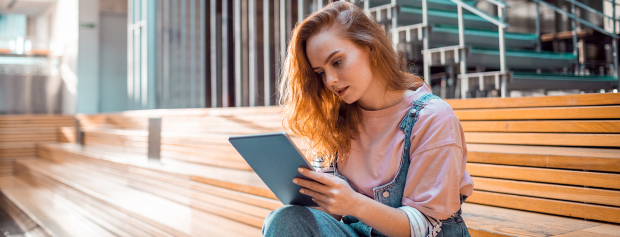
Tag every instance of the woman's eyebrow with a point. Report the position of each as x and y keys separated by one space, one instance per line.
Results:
x=328 y=58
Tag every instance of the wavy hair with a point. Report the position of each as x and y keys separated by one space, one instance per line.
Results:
x=311 y=110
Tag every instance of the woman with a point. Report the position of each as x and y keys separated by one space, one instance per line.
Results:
x=398 y=153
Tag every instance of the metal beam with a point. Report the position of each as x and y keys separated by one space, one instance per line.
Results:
x=266 y=52
x=252 y=52
x=225 y=40
x=463 y=59
x=213 y=50
x=237 y=38
x=203 y=57
x=480 y=13
x=582 y=21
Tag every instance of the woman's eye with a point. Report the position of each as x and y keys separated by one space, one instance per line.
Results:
x=320 y=74
x=337 y=63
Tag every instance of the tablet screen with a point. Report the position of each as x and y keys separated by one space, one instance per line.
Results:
x=275 y=159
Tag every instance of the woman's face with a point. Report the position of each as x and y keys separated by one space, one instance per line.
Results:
x=343 y=66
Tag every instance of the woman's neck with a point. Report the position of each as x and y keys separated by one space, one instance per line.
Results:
x=380 y=97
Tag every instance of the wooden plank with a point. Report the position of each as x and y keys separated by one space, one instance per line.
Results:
x=592 y=112
x=551 y=191
x=546 y=101
x=563 y=208
x=578 y=178
x=599 y=231
x=169 y=216
x=547 y=139
x=6 y=131
x=550 y=126
x=509 y=222
x=594 y=159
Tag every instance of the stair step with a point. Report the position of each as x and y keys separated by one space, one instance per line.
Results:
x=164 y=183
x=225 y=204
x=51 y=214
x=441 y=35
x=410 y=15
x=156 y=212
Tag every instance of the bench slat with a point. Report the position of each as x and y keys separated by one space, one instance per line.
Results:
x=551 y=191
x=559 y=126
x=509 y=222
x=593 y=112
x=579 y=178
x=548 y=139
x=546 y=101
x=546 y=157
x=564 y=208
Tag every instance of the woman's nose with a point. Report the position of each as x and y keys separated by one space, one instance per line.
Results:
x=331 y=80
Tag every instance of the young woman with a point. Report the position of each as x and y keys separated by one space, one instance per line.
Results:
x=397 y=152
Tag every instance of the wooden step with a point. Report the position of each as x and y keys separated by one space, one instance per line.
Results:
x=486 y=221
x=556 y=207
x=44 y=213
x=545 y=139
x=547 y=126
x=227 y=204
x=595 y=159
x=549 y=191
x=238 y=180
x=160 y=213
x=546 y=101
x=557 y=176
x=541 y=113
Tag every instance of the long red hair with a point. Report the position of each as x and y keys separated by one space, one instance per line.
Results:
x=312 y=111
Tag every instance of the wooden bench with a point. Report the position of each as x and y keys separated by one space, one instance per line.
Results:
x=558 y=155
x=20 y=133
x=529 y=179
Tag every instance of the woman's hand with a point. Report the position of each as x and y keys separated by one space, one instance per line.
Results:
x=331 y=193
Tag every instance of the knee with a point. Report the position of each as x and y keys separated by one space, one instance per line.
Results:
x=285 y=218
x=288 y=213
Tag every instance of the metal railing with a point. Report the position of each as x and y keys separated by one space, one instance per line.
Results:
x=574 y=19
x=503 y=73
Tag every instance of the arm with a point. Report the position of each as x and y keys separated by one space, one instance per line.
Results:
x=336 y=197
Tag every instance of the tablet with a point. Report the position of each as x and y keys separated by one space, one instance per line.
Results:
x=275 y=159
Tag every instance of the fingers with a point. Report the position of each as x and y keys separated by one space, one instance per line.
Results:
x=319 y=177
x=321 y=203
x=318 y=187
x=313 y=194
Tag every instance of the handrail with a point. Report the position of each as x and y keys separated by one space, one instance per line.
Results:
x=497 y=3
x=586 y=7
x=580 y=20
x=480 y=13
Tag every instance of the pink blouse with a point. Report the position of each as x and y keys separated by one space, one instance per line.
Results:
x=437 y=173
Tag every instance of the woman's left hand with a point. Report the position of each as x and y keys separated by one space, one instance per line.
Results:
x=330 y=192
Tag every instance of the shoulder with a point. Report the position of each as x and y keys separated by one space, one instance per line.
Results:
x=437 y=110
x=437 y=125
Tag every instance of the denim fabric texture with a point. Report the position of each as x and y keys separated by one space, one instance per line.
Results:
x=301 y=221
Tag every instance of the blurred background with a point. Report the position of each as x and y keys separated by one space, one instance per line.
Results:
x=92 y=56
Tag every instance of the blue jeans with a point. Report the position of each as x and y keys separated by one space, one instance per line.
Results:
x=291 y=220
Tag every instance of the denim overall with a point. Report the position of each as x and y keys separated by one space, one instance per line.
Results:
x=391 y=194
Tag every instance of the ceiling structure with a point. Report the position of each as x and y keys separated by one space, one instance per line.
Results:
x=27 y=7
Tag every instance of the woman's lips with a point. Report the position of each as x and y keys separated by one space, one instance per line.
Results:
x=341 y=92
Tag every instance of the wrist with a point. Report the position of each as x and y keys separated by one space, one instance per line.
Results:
x=359 y=204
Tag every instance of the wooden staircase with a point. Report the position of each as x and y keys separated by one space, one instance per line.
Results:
x=545 y=166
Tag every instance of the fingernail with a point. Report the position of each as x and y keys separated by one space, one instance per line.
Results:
x=294 y=180
x=301 y=191
x=300 y=170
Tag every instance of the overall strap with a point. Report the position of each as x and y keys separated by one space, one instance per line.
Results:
x=406 y=125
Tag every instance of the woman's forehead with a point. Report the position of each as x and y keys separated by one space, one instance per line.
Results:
x=320 y=45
